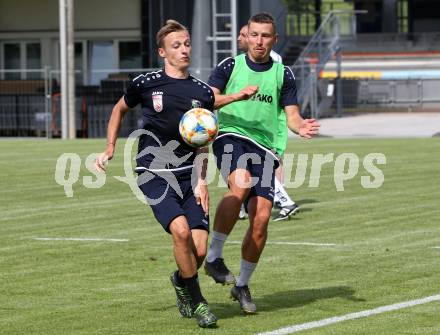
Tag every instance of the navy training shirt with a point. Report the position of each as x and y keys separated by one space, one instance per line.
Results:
x=164 y=100
x=221 y=74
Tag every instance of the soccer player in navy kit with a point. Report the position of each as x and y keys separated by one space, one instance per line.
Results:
x=248 y=128
x=165 y=162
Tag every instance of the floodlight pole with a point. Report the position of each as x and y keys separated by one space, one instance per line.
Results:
x=67 y=70
x=63 y=69
x=234 y=27
x=71 y=70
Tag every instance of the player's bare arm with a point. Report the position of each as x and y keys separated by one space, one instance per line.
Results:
x=222 y=100
x=201 y=190
x=306 y=128
x=114 y=125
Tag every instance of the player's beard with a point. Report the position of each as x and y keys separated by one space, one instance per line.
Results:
x=259 y=57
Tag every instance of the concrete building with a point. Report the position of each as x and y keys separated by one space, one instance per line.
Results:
x=109 y=34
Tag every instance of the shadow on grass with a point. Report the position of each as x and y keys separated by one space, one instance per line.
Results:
x=285 y=299
x=163 y=308
x=292 y=218
x=300 y=203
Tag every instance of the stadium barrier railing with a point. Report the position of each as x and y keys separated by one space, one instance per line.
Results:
x=30 y=107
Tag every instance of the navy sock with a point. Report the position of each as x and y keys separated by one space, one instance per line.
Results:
x=192 y=284
x=178 y=279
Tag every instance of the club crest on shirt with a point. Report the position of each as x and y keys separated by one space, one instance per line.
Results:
x=196 y=103
x=157 y=101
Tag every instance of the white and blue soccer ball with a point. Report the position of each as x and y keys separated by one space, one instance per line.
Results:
x=198 y=127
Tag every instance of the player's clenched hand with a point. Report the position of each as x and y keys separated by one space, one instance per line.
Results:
x=309 y=128
x=102 y=160
x=247 y=92
x=202 y=196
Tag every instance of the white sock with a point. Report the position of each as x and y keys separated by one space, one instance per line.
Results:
x=216 y=247
x=281 y=195
x=246 y=270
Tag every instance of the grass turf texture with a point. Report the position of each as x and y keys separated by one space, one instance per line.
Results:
x=383 y=255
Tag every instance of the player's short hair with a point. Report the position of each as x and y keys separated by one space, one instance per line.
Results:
x=263 y=18
x=171 y=26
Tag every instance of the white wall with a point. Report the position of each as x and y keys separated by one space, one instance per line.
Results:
x=42 y=15
x=24 y=21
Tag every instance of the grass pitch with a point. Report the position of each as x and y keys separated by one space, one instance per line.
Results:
x=386 y=249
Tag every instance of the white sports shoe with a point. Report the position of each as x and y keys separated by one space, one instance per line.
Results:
x=242 y=215
x=286 y=212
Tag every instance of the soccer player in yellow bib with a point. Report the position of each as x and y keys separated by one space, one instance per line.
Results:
x=250 y=93
x=282 y=200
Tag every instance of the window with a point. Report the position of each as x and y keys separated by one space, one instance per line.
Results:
x=402 y=16
x=304 y=16
x=102 y=59
x=95 y=60
x=79 y=63
x=33 y=60
x=12 y=60
x=21 y=56
x=130 y=55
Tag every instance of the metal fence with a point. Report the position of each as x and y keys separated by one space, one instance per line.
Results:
x=31 y=107
x=24 y=104
x=94 y=102
x=375 y=95
x=324 y=44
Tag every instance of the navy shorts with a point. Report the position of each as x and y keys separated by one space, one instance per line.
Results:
x=233 y=152
x=167 y=203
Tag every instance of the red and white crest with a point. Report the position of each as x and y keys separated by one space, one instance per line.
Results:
x=157 y=101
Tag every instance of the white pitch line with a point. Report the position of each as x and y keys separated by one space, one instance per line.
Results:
x=435 y=247
x=291 y=243
x=351 y=316
x=81 y=239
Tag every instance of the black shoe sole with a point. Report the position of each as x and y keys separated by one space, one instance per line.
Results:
x=209 y=325
x=297 y=210
x=287 y=217
x=218 y=281
x=247 y=312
